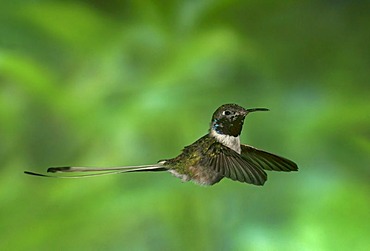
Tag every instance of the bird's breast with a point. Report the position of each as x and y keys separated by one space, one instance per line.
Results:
x=228 y=140
x=198 y=174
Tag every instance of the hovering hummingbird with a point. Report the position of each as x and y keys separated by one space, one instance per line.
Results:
x=214 y=156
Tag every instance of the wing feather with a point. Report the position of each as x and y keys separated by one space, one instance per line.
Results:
x=266 y=160
x=232 y=165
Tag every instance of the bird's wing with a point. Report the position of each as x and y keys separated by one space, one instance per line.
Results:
x=267 y=161
x=230 y=164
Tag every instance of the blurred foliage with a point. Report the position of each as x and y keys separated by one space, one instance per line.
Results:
x=106 y=83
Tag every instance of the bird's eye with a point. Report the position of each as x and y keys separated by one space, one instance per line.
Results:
x=227 y=112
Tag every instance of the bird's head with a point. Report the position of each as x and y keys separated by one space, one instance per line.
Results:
x=228 y=119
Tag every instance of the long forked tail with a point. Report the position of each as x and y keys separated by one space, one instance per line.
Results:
x=98 y=170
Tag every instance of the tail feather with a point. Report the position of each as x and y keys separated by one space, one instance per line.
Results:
x=99 y=170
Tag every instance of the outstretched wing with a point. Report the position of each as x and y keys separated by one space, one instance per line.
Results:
x=230 y=164
x=267 y=161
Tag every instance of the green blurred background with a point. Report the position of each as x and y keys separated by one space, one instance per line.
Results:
x=107 y=83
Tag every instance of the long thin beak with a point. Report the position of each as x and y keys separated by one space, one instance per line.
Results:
x=256 y=109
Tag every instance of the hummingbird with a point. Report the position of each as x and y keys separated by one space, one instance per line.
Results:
x=217 y=155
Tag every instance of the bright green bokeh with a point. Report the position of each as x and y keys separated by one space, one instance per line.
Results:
x=106 y=83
